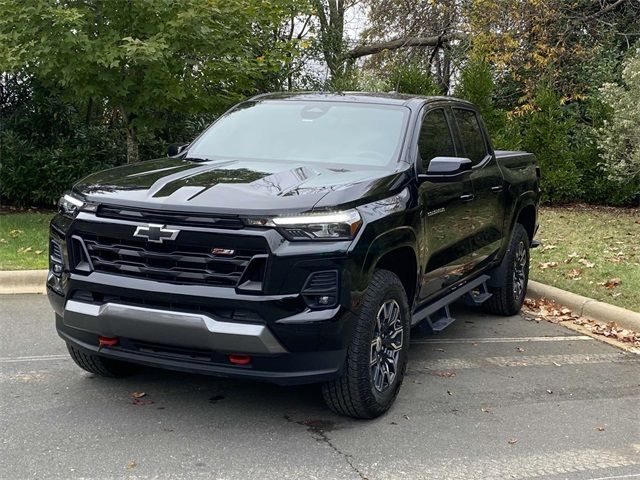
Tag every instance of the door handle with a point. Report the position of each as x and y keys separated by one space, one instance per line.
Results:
x=496 y=188
x=468 y=197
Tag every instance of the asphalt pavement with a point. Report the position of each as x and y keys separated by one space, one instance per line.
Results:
x=489 y=398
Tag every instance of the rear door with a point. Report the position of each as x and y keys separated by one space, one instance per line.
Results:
x=488 y=184
x=446 y=208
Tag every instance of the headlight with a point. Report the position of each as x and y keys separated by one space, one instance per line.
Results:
x=69 y=206
x=324 y=226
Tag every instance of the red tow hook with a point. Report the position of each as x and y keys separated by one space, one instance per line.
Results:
x=107 y=342
x=240 y=359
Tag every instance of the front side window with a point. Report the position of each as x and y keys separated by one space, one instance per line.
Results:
x=350 y=134
x=435 y=138
x=471 y=135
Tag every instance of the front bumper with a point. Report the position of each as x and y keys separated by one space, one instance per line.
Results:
x=194 y=328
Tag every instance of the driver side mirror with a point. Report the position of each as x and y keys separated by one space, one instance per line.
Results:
x=446 y=169
x=175 y=149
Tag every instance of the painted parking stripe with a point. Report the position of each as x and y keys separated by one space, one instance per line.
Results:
x=519 y=361
x=34 y=358
x=564 y=338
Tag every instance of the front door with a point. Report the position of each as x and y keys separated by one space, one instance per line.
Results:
x=446 y=210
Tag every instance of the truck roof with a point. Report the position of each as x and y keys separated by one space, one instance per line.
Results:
x=390 y=98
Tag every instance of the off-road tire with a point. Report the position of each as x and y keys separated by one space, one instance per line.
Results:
x=354 y=393
x=507 y=299
x=101 y=366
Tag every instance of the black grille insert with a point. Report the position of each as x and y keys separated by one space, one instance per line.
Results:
x=167 y=262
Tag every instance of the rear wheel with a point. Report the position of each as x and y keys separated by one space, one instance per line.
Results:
x=510 y=288
x=377 y=357
x=104 y=367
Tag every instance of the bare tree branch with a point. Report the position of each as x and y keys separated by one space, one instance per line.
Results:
x=603 y=11
x=434 y=41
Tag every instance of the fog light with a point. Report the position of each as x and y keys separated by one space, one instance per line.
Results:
x=324 y=300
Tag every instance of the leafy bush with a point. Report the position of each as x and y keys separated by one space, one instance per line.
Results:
x=619 y=138
x=414 y=79
x=36 y=175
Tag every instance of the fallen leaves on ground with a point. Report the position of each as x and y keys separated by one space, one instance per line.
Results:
x=548 y=310
x=586 y=263
x=574 y=273
x=600 y=429
x=138 y=398
x=131 y=464
x=15 y=233
x=545 y=265
x=610 y=329
x=445 y=374
x=543 y=309
x=611 y=283
x=513 y=441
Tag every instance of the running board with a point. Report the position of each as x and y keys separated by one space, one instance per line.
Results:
x=436 y=315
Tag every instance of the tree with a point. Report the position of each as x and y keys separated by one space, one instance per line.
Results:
x=141 y=58
x=340 y=57
x=619 y=138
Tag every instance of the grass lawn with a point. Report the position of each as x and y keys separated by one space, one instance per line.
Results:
x=24 y=240
x=591 y=251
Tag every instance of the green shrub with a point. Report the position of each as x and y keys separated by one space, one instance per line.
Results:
x=412 y=78
x=36 y=175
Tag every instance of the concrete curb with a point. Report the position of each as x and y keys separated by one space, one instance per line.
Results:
x=586 y=307
x=23 y=281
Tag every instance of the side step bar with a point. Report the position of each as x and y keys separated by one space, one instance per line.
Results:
x=437 y=316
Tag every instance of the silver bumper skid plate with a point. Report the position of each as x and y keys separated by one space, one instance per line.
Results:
x=191 y=330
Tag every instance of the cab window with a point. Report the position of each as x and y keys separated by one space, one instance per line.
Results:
x=435 y=138
x=471 y=135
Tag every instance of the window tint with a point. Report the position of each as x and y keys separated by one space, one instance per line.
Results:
x=470 y=135
x=435 y=138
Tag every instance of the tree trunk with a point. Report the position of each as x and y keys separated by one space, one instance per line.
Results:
x=132 y=145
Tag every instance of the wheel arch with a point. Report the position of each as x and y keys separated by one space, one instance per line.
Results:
x=395 y=251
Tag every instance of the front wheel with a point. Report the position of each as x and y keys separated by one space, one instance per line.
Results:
x=101 y=366
x=510 y=288
x=377 y=356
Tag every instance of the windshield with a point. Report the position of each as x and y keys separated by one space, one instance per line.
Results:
x=352 y=134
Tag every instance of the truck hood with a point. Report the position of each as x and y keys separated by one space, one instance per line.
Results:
x=235 y=186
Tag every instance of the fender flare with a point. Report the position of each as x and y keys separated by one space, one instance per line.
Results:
x=385 y=243
x=526 y=199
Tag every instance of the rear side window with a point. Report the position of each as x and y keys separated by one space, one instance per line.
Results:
x=435 y=137
x=471 y=135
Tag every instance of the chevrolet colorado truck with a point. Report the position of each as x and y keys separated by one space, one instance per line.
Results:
x=298 y=239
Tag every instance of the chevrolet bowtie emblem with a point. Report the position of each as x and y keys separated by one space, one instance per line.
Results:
x=155 y=233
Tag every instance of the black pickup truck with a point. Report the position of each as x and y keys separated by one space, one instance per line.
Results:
x=297 y=240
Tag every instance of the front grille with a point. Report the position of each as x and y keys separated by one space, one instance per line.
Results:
x=172 y=218
x=165 y=262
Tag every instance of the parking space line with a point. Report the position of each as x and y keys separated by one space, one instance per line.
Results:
x=33 y=358
x=632 y=475
x=519 y=361
x=564 y=338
